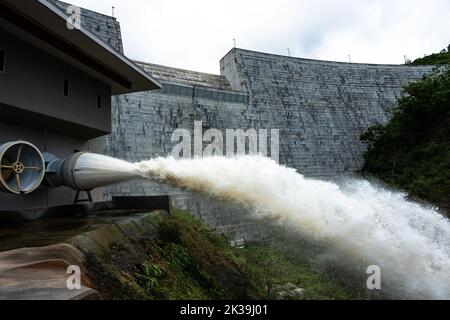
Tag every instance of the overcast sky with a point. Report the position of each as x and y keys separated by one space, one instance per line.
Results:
x=196 y=34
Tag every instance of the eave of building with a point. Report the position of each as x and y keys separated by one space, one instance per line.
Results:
x=42 y=24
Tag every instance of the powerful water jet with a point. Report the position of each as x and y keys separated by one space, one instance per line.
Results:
x=360 y=223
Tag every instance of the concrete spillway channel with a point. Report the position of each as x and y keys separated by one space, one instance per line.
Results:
x=35 y=256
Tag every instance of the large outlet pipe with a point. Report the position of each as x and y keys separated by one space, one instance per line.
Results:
x=23 y=169
x=85 y=171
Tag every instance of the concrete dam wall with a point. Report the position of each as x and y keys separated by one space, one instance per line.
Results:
x=321 y=108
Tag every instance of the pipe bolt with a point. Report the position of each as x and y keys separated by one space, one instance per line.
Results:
x=18 y=167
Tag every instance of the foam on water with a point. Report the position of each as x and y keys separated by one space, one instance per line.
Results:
x=357 y=220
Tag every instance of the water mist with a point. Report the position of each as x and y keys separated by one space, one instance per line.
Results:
x=361 y=224
x=357 y=220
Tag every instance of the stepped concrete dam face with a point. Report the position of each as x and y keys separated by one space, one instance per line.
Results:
x=319 y=107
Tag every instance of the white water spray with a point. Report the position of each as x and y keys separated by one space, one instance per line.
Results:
x=359 y=222
x=364 y=223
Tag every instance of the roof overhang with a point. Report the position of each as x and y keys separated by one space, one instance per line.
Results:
x=45 y=26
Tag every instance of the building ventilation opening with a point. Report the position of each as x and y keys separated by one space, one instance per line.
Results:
x=66 y=87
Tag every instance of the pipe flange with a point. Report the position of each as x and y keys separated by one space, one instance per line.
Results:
x=22 y=167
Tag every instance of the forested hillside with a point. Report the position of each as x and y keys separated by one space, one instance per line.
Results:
x=412 y=151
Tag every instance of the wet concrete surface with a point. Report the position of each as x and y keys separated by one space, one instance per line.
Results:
x=35 y=256
x=51 y=231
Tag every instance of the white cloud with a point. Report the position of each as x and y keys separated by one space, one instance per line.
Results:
x=196 y=34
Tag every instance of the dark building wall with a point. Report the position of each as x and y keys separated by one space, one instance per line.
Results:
x=34 y=81
x=35 y=109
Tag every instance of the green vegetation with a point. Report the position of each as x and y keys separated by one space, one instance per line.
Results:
x=412 y=151
x=284 y=259
x=185 y=260
x=440 y=58
x=192 y=262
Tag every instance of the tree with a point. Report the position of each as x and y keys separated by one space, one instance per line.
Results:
x=412 y=151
